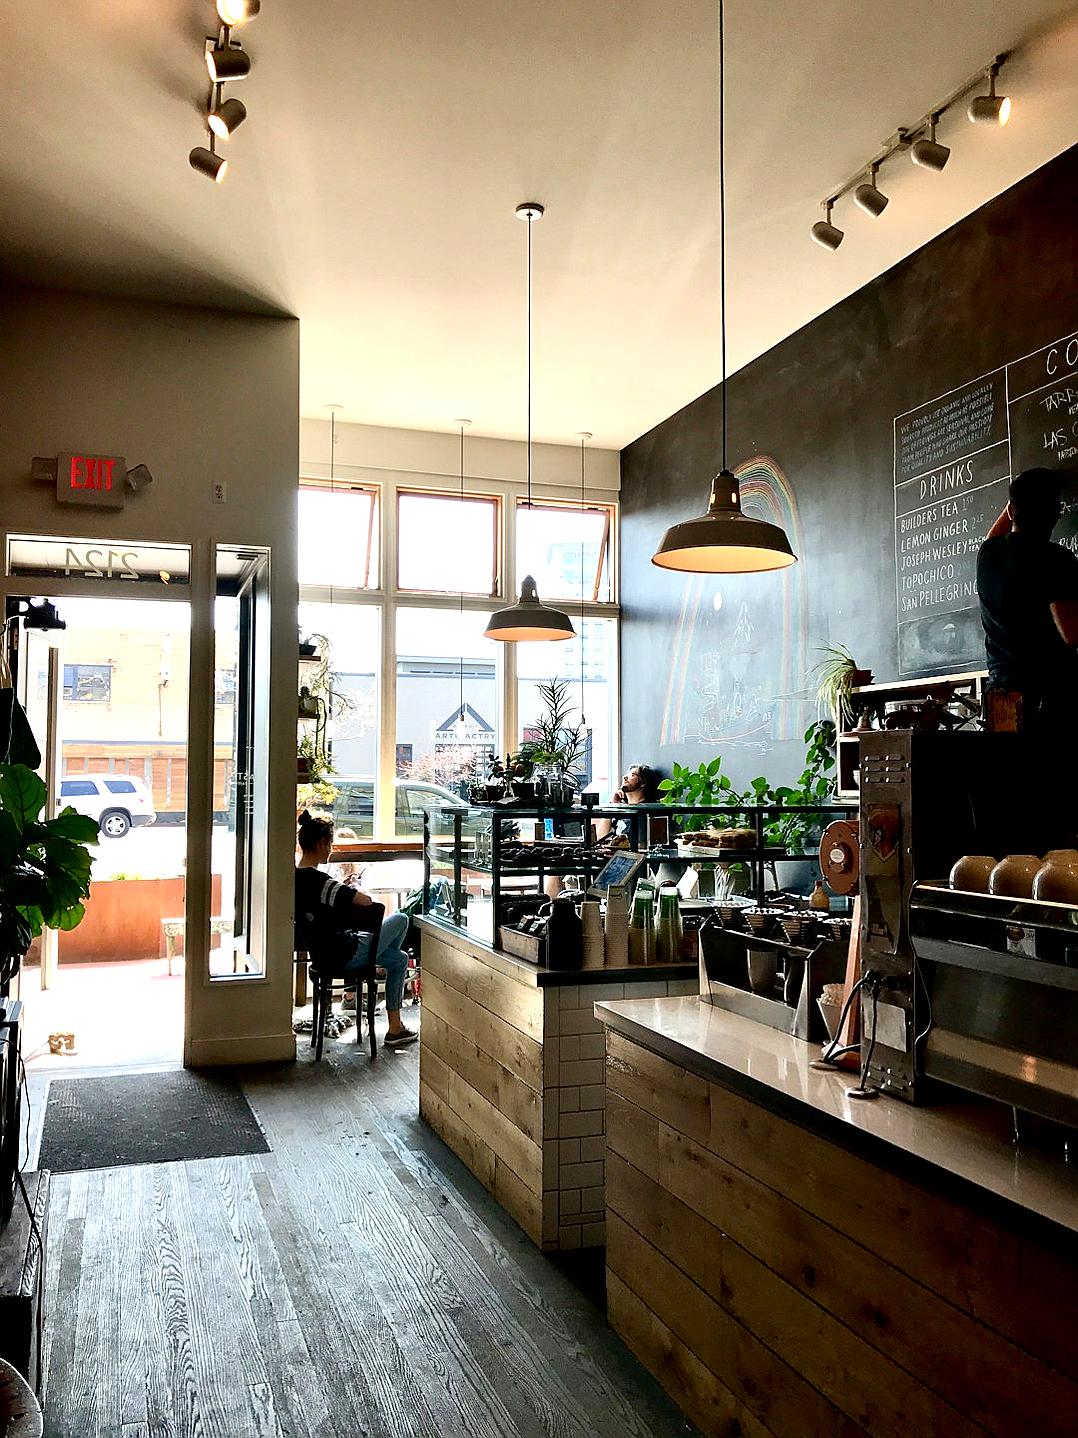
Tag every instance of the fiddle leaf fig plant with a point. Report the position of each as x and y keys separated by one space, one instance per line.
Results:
x=44 y=866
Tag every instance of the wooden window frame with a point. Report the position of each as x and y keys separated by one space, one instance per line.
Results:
x=495 y=502
x=605 y=556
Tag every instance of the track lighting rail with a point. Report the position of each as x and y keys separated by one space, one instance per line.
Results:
x=906 y=137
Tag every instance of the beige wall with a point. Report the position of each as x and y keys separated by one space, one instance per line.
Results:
x=197 y=395
x=425 y=457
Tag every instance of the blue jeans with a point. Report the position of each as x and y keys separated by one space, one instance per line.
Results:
x=390 y=956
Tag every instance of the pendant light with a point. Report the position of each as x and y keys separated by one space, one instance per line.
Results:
x=529 y=618
x=724 y=540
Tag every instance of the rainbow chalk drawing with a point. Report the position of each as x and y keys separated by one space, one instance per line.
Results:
x=737 y=667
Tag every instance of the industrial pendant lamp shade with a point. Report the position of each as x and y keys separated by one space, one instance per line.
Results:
x=529 y=619
x=724 y=540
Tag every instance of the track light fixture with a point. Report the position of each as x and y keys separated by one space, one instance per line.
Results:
x=990 y=109
x=226 y=117
x=927 y=152
x=824 y=232
x=207 y=162
x=227 y=60
x=236 y=12
x=869 y=196
x=924 y=149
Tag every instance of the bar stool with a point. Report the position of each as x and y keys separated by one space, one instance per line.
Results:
x=325 y=982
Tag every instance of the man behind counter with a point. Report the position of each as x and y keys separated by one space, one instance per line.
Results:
x=1028 y=592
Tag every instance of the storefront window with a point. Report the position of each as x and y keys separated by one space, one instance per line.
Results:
x=540 y=663
x=342 y=746
x=447 y=710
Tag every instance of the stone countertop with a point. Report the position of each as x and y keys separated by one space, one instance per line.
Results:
x=966 y=1143
x=537 y=977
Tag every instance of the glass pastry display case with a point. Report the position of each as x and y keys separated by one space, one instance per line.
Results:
x=491 y=865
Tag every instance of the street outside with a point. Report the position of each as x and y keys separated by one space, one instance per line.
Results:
x=161 y=849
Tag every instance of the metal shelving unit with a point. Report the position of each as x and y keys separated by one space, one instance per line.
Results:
x=483 y=851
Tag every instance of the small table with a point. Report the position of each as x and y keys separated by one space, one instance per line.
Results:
x=173 y=929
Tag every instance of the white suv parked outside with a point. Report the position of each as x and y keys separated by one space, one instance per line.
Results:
x=118 y=802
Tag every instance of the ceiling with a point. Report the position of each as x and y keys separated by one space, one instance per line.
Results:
x=372 y=189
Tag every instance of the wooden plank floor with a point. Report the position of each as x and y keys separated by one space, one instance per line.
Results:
x=354 y=1281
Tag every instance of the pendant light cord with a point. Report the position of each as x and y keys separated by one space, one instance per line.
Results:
x=722 y=209
x=530 y=222
x=583 y=717
x=462 y=591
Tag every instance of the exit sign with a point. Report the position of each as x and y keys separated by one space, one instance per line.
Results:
x=95 y=480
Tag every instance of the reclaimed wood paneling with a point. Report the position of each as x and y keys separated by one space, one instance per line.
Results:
x=834 y=1266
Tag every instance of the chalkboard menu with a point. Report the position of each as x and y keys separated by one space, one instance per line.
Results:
x=953 y=457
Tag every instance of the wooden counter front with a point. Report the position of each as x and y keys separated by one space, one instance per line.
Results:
x=511 y=1076
x=782 y=1281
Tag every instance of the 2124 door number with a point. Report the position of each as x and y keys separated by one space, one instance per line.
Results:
x=101 y=563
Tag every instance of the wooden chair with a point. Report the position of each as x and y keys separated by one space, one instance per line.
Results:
x=325 y=982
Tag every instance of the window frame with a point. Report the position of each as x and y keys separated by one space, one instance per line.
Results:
x=606 y=554
x=388 y=598
x=404 y=491
x=339 y=486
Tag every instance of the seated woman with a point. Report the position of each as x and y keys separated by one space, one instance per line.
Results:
x=324 y=906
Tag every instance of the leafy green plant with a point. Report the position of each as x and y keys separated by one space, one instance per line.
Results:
x=798 y=833
x=555 y=741
x=705 y=785
x=837 y=675
x=44 y=865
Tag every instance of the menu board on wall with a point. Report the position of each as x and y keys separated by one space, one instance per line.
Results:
x=953 y=457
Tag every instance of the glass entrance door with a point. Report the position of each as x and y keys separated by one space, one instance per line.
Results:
x=241 y=721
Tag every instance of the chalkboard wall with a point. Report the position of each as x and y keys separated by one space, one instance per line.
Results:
x=881 y=436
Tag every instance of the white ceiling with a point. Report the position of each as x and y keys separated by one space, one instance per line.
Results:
x=372 y=189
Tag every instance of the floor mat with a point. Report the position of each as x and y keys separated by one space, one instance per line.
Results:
x=145 y=1118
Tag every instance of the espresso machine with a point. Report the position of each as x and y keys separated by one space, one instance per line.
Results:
x=977 y=990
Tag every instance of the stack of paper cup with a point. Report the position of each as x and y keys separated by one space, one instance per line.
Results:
x=594 y=943
x=617 y=926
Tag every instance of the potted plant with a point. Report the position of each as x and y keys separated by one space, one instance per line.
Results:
x=799 y=833
x=837 y=676
x=555 y=745
x=44 y=866
x=705 y=785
